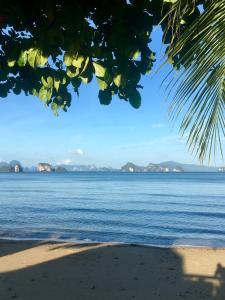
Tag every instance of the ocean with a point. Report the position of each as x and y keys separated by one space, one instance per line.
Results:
x=158 y=209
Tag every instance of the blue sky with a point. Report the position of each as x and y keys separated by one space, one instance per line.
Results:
x=90 y=133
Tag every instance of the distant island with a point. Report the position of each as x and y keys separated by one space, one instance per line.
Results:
x=15 y=166
x=45 y=167
x=170 y=166
x=130 y=167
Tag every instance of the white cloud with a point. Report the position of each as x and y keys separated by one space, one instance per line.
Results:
x=77 y=151
x=157 y=125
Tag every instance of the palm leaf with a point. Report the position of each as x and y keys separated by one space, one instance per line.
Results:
x=200 y=86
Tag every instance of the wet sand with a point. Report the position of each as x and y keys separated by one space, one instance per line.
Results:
x=31 y=270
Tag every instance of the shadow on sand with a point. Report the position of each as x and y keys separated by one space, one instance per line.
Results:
x=101 y=271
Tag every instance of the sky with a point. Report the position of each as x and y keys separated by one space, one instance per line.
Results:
x=90 y=133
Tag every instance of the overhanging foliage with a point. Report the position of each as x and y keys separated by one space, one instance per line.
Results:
x=49 y=47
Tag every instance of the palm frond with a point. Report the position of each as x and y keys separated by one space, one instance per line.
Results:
x=175 y=15
x=200 y=88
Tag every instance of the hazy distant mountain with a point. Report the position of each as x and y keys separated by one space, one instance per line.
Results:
x=74 y=168
x=167 y=166
x=13 y=166
x=14 y=162
x=189 y=167
x=45 y=167
x=131 y=167
x=3 y=164
x=4 y=167
x=86 y=168
x=60 y=169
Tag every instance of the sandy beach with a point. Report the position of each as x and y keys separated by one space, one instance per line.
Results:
x=45 y=270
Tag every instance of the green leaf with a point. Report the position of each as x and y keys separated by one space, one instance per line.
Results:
x=41 y=59
x=68 y=58
x=99 y=69
x=11 y=63
x=56 y=84
x=85 y=65
x=50 y=81
x=32 y=53
x=43 y=94
x=108 y=77
x=54 y=107
x=102 y=84
x=22 y=60
x=105 y=97
x=49 y=94
x=64 y=80
x=87 y=76
x=76 y=82
x=84 y=79
x=136 y=54
x=44 y=82
x=72 y=72
x=77 y=62
x=170 y=1
x=152 y=56
x=35 y=93
x=44 y=60
x=117 y=80
x=135 y=99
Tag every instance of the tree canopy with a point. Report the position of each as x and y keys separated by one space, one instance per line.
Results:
x=50 y=47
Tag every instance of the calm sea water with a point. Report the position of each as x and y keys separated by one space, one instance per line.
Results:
x=156 y=209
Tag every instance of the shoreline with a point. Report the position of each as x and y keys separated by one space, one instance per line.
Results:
x=60 y=270
x=89 y=242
